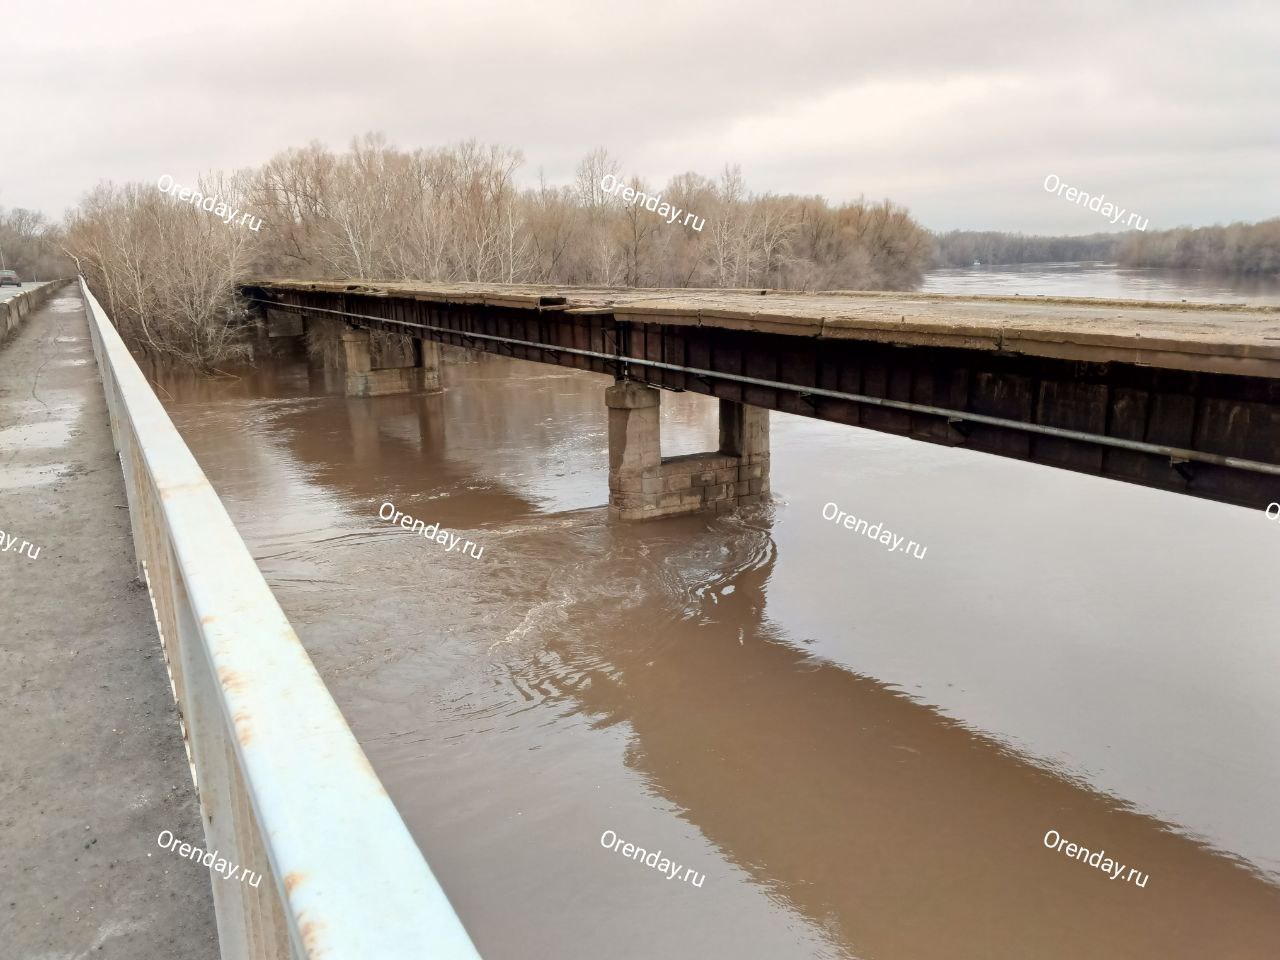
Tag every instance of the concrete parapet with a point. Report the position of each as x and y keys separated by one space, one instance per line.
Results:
x=15 y=310
x=643 y=485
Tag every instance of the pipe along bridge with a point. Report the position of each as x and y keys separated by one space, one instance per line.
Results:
x=1181 y=397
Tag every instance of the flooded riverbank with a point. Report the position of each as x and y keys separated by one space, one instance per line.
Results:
x=861 y=755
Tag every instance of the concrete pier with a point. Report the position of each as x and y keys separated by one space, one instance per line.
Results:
x=643 y=485
x=412 y=367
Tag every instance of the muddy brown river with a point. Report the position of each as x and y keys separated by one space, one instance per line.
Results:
x=862 y=752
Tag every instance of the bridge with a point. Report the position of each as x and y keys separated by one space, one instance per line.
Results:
x=1176 y=396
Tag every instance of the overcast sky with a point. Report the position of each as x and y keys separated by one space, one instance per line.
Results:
x=956 y=110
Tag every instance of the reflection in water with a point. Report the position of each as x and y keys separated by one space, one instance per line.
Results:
x=861 y=755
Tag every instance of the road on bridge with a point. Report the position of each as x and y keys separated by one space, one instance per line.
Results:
x=91 y=751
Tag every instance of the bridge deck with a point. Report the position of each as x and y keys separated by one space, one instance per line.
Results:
x=1175 y=336
x=92 y=766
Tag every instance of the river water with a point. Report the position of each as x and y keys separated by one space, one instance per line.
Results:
x=861 y=752
x=1104 y=280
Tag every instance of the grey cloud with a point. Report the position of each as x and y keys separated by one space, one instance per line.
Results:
x=1140 y=98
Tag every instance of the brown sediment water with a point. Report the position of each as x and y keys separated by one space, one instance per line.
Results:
x=861 y=751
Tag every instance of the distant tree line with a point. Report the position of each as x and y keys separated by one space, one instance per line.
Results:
x=960 y=248
x=167 y=271
x=29 y=245
x=457 y=213
x=1241 y=248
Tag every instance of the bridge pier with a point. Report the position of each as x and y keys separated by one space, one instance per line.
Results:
x=642 y=484
x=415 y=367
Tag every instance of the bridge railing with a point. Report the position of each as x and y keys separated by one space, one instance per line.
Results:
x=285 y=790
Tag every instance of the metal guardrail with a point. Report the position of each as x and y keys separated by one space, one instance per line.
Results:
x=284 y=788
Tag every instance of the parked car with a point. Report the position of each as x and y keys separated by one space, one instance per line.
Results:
x=8 y=276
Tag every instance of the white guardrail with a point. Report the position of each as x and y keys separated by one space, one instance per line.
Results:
x=284 y=788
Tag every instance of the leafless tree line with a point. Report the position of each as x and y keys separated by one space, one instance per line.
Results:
x=29 y=245
x=1240 y=248
x=167 y=271
x=457 y=213
x=960 y=248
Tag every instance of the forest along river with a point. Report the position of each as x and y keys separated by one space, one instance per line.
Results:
x=861 y=752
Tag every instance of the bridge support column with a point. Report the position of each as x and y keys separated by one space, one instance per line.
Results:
x=635 y=450
x=422 y=372
x=642 y=484
x=744 y=434
x=427 y=358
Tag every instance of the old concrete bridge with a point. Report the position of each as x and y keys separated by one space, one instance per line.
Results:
x=1181 y=397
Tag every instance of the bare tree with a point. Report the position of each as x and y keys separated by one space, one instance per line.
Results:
x=169 y=271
